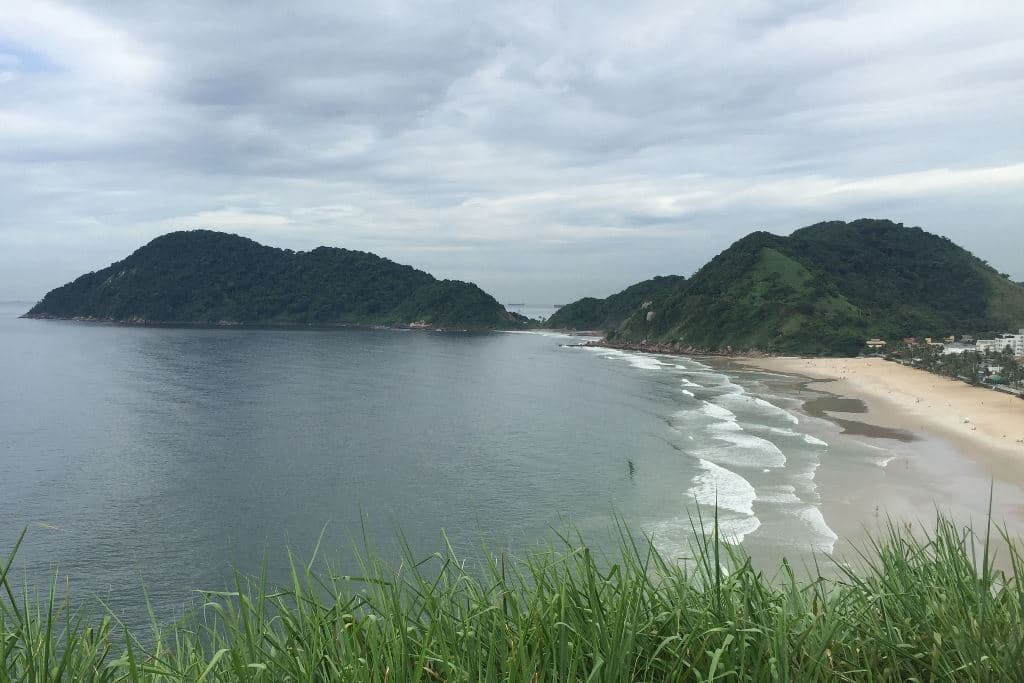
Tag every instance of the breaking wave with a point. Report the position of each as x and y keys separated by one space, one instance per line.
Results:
x=724 y=488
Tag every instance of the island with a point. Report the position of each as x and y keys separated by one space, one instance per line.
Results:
x=203 y=277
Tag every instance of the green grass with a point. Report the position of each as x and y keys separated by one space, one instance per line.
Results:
x=913 y=607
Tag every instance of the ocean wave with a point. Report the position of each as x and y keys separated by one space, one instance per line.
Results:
x=725 y=426
x=717 y=378
x=637 y=360
x=687 y=392
x=744 y=450
x=717 y=412
x=552 y=334
x=741 y=398
x=782 y=494
x=718 y=486
x=807 y=438
x=674 y=538
x=733 y=531
x=825 y=540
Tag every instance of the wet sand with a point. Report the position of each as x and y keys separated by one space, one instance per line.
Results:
x=980 y=420
x=936 y=461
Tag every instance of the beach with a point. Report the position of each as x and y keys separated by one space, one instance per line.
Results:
x=946 y=440
x=901 y=397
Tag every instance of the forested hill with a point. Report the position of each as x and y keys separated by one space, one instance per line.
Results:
x=828 y=287
x=206 y=277
x=606 y=314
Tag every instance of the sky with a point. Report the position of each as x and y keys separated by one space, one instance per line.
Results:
x=544 y=150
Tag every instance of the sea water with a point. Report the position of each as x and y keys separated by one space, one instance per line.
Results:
x=165 y=457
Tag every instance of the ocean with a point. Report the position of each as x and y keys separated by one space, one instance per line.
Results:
x=166 y=457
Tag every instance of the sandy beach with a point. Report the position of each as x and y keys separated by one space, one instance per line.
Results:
x=978 y=419
x=956 y=448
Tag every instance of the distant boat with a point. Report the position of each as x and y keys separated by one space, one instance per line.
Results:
x=519 y=305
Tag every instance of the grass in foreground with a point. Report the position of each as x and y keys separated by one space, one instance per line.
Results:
x=915 y=608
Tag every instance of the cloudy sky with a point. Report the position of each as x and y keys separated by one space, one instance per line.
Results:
x=544 y=150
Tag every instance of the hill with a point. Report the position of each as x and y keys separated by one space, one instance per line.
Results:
x=828 y=287
x=589 y=313
x=206 y=277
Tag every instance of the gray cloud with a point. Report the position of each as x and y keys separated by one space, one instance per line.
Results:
x=544 y=150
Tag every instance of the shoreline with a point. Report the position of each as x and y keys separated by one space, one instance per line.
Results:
x=978 y=421
x=936 y=462
x=236 y=325
x=674 y=349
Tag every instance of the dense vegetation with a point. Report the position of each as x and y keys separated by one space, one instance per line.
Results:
x=589 y=313
x=914 y=607
x=201 y=276
x=828 y=287
x=970 y=366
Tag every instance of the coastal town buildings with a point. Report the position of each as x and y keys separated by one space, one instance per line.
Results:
x=1013 y=342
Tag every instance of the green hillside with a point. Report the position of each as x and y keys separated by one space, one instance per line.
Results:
x=205 y=277
x=828 y=287
x=589 y=313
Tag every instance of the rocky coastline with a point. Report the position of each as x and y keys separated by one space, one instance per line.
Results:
x=676 y=349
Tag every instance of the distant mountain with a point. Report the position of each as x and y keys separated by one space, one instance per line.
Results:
x=589 y=313
x=205 y=277
x=825 y=289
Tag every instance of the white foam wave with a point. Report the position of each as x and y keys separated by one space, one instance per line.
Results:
x=644 y=362
x=826 y=538
x=782 y=494
x=717 y=377
x=674 y=537
x=724 y=488
x=884 y=462
x=741 y=398
x=637 y=360
x=733 y=531
x=744 y=450
x=687 y=392
x=814 y=441
x=717 y=412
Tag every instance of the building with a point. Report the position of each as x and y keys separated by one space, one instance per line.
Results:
x=875 y=343
x=958 y=348
x=1013 y=342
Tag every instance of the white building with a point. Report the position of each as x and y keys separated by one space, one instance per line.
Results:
x=958 y=348
x=1015 y=342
